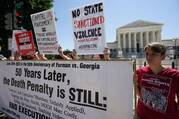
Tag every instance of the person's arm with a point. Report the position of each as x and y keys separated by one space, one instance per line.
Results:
x=178 y=100
x=106 y=54
x=11 y=58
x=42 y=57
x=35 y=56
x=177 y=92
x=60 y=50
x=136 y=91
x=2 y=57
x=74 y=55
x=136 y=85
x=17 y=56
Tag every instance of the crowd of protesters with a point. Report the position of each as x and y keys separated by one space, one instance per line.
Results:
x=157 y=85
x=71 y=55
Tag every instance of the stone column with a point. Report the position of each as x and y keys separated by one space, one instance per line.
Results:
x=159 y=35
x=147 y=37
x=153 y=36
x=118 y=37
x=129 y=39
x=141 y=40
x=135 y=48
x=124 y=40
x=156 y=36
x=150 y=36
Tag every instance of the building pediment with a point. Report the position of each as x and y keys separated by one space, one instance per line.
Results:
x=140 y=23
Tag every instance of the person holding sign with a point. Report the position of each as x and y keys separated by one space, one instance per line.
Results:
x=106 y=53
x=158 y=86
x=62 y=55
x=104 y=56
x=16 y=56
x=33 y=56
x=74 y=56
x=41 y=57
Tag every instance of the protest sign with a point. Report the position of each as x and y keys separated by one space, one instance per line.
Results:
x=25 y=43
x=67 y=89
x=9 y=43
x=88 y=28
x=45 y=31
x=13 y=47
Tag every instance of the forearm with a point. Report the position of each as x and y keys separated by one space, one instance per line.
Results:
x=65 y=57
x=177 y=100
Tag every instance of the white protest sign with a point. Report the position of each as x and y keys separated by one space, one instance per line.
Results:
x=9 y=43
x=88 y=28
x=66 y=89
x=45 y=31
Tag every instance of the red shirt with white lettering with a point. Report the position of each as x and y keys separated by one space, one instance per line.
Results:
x=157 y=93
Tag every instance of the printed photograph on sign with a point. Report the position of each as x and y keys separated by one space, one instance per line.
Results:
x=88 y=28
x=45 y=31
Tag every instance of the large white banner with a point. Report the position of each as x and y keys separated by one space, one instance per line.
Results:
x=66 y=89
x=88 y=28
x=45 y=31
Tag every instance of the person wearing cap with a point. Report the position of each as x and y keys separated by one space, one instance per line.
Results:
x=157 y=86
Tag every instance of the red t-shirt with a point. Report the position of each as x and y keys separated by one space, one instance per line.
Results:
x=157 y=94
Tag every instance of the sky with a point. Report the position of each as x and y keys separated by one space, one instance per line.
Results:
x=118 y=13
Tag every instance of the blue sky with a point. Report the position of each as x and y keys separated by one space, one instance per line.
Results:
x=118 y=13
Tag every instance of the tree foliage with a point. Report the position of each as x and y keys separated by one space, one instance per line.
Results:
x=5 y=7
x=31 y=7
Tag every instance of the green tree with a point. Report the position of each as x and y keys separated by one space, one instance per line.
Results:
x=5 y=7
x=28 y=7
x=31 y=7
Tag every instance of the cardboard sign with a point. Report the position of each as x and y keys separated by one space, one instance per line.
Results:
x=45 y=31
x=88 y=29
x=25 y=43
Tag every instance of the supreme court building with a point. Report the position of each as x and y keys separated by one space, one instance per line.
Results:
x=133 y=37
